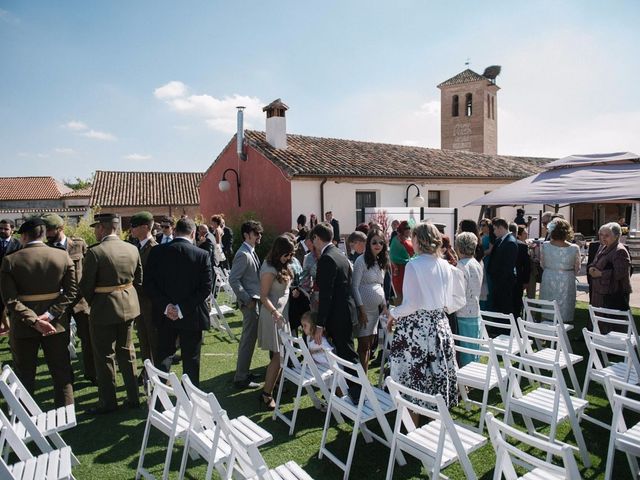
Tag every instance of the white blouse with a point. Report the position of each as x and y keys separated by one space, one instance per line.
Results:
x=428 y=285
x=473 y=276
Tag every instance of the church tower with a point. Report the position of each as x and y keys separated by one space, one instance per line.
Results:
x=469 y=119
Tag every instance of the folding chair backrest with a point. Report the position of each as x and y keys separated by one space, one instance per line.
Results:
x=205 y=406
x=485 y=347
x=601 y=346
x=294 y=348
x=500 y=433
x=505 y=323
x=340 y=366
x=536 y=310
x=10 y=381
x=534 y=333
x=10 y=437
x=165 y=386
x=622 y=318
x=531 y=369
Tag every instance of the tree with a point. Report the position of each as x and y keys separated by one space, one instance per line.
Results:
x=79 y=183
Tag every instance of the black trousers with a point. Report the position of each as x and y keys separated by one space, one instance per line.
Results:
x=190 y=346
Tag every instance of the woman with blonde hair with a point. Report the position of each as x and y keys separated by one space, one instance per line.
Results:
x=422 y=354
x=560 y=261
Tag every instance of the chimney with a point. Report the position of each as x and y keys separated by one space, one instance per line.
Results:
x=240 y=135
x=276 y=124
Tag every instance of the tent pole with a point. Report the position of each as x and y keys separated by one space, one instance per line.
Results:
x=556 y=207
x=638 y=219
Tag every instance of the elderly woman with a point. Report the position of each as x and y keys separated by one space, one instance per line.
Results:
x=469 y=315
x=609 y=271
x=560 y=261
x=422 y=354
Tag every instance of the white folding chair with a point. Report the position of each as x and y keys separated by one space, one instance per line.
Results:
x=373 y=404
x=222 y=284
x=385 y=341
x=166 y=413
x=29 y=422
x=599 y=366
x=624 y=438
x=508 y=455
x=549 y=402
x=436 y=444
x=73 y=331
x=482 y=375
x=299 y=368
x=556 y=349
x=217 y=316
x=544 y=311
x=205 y=435
x=618 y=318
x=53 y=465
x=507 y=342
x=247 y=462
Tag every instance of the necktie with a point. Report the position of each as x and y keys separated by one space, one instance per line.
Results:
x=256 y=261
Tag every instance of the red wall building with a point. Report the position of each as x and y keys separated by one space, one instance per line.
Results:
x=264 y=189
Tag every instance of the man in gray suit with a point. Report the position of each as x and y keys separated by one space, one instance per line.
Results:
x=244 y=278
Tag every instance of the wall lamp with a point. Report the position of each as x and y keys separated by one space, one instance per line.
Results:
x=225 y=186
x=418 y=200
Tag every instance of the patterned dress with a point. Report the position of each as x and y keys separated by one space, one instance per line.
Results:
x=560 y=265
x=368 y=292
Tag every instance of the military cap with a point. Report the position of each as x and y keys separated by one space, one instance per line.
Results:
x=52 y=220
x=30 y=224
x=141 y=218
x=105 y=218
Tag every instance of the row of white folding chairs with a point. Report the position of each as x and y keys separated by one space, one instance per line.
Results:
x=222 y=285
x=218 y=316
x=625 y=431
x=173 y=412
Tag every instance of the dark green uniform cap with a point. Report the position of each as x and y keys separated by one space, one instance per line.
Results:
x=105 y=218
x=141 y=218
x=52 y=220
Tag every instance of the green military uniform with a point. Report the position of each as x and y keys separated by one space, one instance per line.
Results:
x=111 y=273
x=147 y=331
x=76 y=247
x=35 y=280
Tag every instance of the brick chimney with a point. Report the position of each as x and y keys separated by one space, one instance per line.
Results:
x=276 y=124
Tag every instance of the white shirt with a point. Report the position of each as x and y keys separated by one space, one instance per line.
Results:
x=166 y=238
x=144 y=242
x=427 y=285
x=473 y=277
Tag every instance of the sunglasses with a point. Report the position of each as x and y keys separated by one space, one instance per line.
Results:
x=166 y=226
x=257 y=234
x=377 y=242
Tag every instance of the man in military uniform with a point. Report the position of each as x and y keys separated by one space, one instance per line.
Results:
x=111 y=273
x=38 y=286
x=141 y=225
x=76 y=247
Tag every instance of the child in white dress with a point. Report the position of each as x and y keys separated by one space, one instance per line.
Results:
x=318 y=352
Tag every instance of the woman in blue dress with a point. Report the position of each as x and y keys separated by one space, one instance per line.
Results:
x=488 y=238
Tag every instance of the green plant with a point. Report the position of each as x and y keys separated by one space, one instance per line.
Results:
x=83 y=230
x=268 y=236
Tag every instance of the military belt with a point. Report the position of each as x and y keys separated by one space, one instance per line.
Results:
x=112 y=288
x=39 y=297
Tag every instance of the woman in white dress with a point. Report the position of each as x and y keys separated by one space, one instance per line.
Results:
x=560 y=261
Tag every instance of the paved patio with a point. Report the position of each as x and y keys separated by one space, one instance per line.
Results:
x=635 y=287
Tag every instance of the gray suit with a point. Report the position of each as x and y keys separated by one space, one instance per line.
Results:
x=244 y=279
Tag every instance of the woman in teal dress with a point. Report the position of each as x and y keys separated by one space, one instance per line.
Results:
x=487 y=238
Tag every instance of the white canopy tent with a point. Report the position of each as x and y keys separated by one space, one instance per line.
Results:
x=597 y=178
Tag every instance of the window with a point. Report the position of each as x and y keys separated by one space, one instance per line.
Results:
x=493 y=108
x=434 y=199
x=469 y=101
x=364 y=200
x=454 y=106
x=488 y=106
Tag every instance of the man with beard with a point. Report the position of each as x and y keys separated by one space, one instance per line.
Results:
x=76 y=247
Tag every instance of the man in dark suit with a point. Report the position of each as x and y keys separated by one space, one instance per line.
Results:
x=337 y=308
x=178 y=280
x=523 y=269
x=502 y=267
x=335 y=225
x=166 y=225
x=8 y=245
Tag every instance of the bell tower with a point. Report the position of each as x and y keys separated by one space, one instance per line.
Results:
x=469 y=112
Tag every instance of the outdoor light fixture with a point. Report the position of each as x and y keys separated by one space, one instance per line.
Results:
x=225 y=186
x=417 y=201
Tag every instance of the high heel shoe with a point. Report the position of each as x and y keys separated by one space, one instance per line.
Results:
x=267 y=401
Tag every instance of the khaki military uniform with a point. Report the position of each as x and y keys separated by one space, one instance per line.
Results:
x=111 y=273
x=77 y=248
x=147 y=331
x=35 y=280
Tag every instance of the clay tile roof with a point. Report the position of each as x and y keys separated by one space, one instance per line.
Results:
x=128 y=189
x=467 y=76
x=314 y=156
x=277 y=103
x=31 y=188
x=82 y=192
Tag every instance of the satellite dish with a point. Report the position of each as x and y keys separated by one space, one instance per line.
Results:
x=492 y=72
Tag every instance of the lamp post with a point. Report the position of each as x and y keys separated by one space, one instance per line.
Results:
x=225 y=186
x=418 y=200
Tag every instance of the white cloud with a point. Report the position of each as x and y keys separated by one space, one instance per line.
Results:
x=42 y=155
x=137 y=157
x=218 y=113
x=75 y=125
x=65 y=151
x=98 y=135
x=171 y=90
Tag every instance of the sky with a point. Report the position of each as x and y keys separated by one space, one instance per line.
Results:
x=153 y=85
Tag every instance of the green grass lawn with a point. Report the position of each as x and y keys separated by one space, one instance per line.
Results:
x=108 y=446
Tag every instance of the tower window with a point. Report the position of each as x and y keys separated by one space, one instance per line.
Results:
x=468 y=108
x=493 y=108
x=454 y=106
x=488 y=106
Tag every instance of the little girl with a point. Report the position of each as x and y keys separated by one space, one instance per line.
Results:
x=318 y=352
